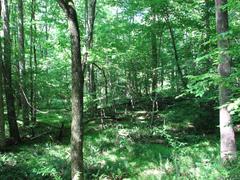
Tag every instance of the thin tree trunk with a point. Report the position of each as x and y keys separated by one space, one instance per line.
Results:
x=2 y=122
x=207 y=23
x=207 y=16
x=34 y=112
x=12 y=120
x=77 y=91
x=13 y=10
x=46 y=32
x=161 y=62
x=172 y=75
x=105 y=80
x=33 y=62
x=179 y=70
x=90 y=8
x=92 y=89
x=154 y=66
x=16 y=84
x=228 y=143
x=31 y=59
x=154 y=63
x=22 y=68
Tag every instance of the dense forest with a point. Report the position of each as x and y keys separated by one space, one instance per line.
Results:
x=119 y=89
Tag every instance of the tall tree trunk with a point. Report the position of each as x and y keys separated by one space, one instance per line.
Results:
x=33 y=62
x=179 y=70
x=31 y=59
x=172 y=75
x=105 y=80
x=207 y=21
x=46 y=31
x=207 y=25
x=90 y=8
x=12 y=120
x=13 y=10
x=34 y=107
x=92 y=89
x=77 y=91
x=2 y=122
x=154 y=66
x=22 y=68
x=154 y=63
x=16 y=83
x=161 y=62
x=228 y=144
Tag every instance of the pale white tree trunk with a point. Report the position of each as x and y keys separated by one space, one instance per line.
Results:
x=228 y=144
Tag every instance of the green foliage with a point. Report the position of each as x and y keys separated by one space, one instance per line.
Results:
x=173 y=144
x=234 y=108
x=203 y=84
x=126 y=149
x=44 y=161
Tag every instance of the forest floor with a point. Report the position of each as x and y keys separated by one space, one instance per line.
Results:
x=127 y=148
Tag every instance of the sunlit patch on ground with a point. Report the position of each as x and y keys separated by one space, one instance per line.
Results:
x=127 y=149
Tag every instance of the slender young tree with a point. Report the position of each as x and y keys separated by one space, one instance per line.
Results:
x=33 y=62
x=207 y=25
x=179 y=70
x=77 y=91
x=154 y=63
x=12 y=120
x=154 y=56
x=90 y=8
x=22 y=68
x=228 y=144
x=2 y=122
x=207 y=16
x=161 y=60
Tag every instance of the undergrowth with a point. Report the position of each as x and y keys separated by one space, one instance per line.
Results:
x=123 y=150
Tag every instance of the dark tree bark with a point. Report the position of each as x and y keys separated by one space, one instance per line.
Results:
x=16 y=83
x=22 y=68
x=228 y=144
x=207 y=21
x=33 y=62
x=2 y=122
x=77 y=91
x=154 y=62
x=207 y=26
x=154 y=65
x=90 y=19
x=161 y=62
x=105 y=80
x=12 y=120
x=90 y=8
x=179 y=70
x=46 y=27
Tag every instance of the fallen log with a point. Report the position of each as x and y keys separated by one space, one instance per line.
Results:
x=40 y=135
